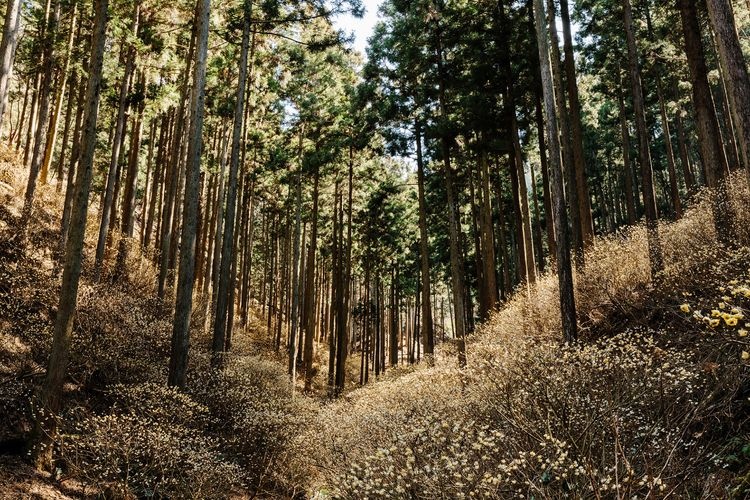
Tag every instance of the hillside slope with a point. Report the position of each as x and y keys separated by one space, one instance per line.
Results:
x=652 y=403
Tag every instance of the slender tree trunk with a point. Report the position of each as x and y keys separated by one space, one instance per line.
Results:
x=310 y=318
x=539 y=116
x=685 y=162
x=644 y=153
x=129 y=194
x=296 y=252
x=184 y=301
x=116 y=145
x=49 y=147
x=69 y=113
x=344 y=322
x=45 y=90
x=227 y=254
x=627 y=164
x=74 y=160
x=454 y=222
x=428 y=331
x=674 y=191
x=711 y=147
x=170 y=207
x=568 y=161
x=576 y=127
x=11 y=33
x=564 y=267
x=50 y=397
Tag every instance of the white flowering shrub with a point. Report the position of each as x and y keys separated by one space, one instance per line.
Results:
x=611 y=418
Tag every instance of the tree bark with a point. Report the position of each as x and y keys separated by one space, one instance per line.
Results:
x=738 y=82
x=11 y=32
x=428 y=332
x=116 y=144
x=711 y=147
x=576 y=128
x=40 y=131
x=184 y=300
x=50 y=397
x=564 y=267
x=227 y=253
x=309 y=316
x=644 y=153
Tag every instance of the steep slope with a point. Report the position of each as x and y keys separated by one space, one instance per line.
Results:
x=654 y=401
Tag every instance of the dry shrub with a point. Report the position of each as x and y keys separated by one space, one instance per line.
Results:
x=148 y=446
x=618 y=417
x=251 y=408
x=632 y=411
x=119 y=339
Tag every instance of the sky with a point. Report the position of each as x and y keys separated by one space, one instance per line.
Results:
x=361 y=28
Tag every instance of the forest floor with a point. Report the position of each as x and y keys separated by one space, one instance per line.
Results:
x=655 y=401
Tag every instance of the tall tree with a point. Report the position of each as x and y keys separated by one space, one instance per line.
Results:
x=564 y=266
x=713 y=155
x=576 y=129
x=227 y=247
x=735 y=67
x=50 y=397
x=8 y=45
x=644 y=151
x=184 y=300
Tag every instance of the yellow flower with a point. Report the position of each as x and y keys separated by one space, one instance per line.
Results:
x=722 y=305
x=726 y=298
x=685 y=308
x=731 y=321
x=714 y=323
x=745 y=355
x=715 y=313
x=742 y=333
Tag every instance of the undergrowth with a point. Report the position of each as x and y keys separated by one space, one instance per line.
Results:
x=653 y=401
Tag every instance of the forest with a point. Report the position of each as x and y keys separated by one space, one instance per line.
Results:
x=500 y=253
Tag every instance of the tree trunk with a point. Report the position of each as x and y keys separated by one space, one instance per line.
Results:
x=428 y=332
x=711 y=147
x=644 y=153
x=568 y=161
x=454 y=222
x=576 y=127
x=11 y=31
x=564 y=267
x=627 y=164
x=49 y=147
x=736 y=72
x=227 y=254
x=50 y=397
x=131 y=188
x=116 y=144
x=344 y=321
x=184 y=301
x=674 y=191
x=309 y=316
x=170 y=207
x=45 y=90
